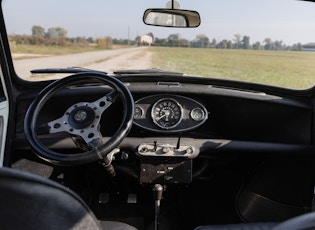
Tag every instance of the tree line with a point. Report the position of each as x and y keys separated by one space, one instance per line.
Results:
x=57 y=36
x=239 y=42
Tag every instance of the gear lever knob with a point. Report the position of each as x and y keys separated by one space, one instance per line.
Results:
x=158 y=191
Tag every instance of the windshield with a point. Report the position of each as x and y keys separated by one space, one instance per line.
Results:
x=270 y=42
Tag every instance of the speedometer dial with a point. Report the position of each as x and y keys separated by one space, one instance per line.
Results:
x=167 y=113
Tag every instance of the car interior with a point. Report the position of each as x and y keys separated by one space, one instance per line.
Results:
x=152 y=148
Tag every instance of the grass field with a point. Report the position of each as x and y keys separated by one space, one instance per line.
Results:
x=281 y=68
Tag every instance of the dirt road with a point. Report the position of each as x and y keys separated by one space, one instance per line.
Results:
x=108 y=61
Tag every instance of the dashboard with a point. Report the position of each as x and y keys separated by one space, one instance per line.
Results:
x=176 y=123
x=200 y=115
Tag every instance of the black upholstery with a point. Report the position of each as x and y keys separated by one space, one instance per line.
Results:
x=28 y=201
x=247 y=226
x=306 y=221
x=302 y=222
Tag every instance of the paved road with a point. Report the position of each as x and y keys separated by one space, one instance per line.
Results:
x=109 y=60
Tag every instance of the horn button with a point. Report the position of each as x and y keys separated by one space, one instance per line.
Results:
x=81 y=117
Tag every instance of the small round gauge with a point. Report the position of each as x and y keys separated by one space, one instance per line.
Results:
x=167 y=113
x=197 y=114
x=138 y=113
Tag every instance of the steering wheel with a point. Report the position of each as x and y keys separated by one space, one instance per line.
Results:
x=81 y=119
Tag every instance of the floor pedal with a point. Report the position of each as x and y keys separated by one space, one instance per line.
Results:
x=103 y=198
x=132 y=198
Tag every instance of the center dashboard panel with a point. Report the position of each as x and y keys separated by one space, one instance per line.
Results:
x=170 y=114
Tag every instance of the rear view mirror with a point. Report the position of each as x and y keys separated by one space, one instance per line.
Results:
x=171 y=18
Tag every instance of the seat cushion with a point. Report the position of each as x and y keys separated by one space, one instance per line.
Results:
x=305 y=221
x=245 y=226
x=31 y=202
x=113 y=225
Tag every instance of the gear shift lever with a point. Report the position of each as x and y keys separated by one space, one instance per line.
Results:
x=157 y=192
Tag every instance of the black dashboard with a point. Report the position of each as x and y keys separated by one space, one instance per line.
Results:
x=180 y=119
x=196 y=113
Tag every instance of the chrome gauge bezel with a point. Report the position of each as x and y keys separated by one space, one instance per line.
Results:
x=138 y=113
x=157 y=122
x=200 y=112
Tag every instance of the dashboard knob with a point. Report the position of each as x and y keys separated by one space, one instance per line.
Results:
x=165 y=149
x=189 y=150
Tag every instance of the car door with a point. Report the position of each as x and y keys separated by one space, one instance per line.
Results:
x=6 y=93
x=4 y=116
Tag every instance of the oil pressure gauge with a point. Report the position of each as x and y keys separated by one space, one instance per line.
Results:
x=167 y=113
x=138 y=112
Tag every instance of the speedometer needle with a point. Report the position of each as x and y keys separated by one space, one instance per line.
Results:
x=159 y=118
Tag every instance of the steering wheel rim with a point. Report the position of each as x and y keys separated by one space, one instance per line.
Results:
x=89 y=156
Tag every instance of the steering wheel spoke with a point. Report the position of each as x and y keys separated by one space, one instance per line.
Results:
x=58 y=125
x=100 y=105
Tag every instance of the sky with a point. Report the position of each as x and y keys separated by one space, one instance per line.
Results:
x=291 y=21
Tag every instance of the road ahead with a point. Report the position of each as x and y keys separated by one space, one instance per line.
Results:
x=108 y=61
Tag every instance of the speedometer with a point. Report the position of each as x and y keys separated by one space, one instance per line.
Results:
x=167 y=113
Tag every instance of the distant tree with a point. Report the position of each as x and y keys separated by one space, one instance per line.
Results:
x=213 y=43
x=90 y=40
x=184 y=43
x=120 y=41
x=160 y=42
x=268 y=44
x=245 y=44
x=174 y=40
x=81 y=41
x=237 y=40
x=297 y=47
x=174 y=37
x=56 y=33
x=202 y=40
x=257 y=46
x=38 y=31
x=278 y=45
x=229 y=44
x=222 y=44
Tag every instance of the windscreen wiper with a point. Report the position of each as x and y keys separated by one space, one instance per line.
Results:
x=64 y=70
x=156 y=72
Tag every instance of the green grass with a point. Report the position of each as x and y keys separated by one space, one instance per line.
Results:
x=280 y=68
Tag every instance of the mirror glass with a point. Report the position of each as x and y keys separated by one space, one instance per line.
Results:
x=171 y=18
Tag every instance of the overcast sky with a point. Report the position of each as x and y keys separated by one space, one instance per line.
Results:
x=289 y=20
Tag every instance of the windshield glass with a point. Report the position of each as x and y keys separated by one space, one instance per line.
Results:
x=269 y=42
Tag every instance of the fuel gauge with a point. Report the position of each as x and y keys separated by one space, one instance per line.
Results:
x=197 y=114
